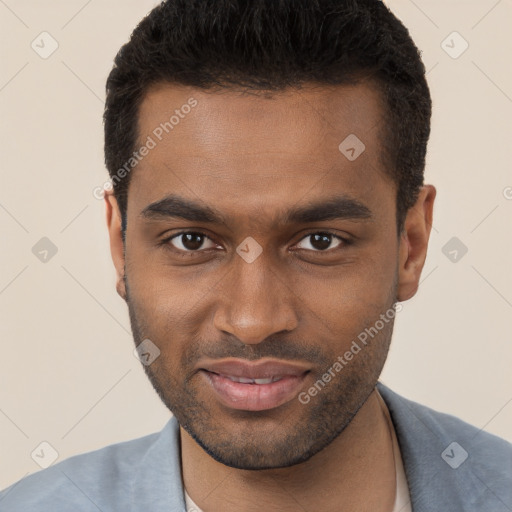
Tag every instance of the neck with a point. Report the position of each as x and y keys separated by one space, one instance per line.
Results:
x=356 y=472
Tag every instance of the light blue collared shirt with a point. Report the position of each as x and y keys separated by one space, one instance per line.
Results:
x=450 y=466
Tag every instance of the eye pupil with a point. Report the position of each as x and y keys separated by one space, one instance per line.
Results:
x=321 y=241
x=192 y=241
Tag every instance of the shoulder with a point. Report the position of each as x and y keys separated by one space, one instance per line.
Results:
x=461 y=461
x=443 y=425
x=97 y=480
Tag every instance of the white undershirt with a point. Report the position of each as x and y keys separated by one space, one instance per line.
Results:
x=403 y=499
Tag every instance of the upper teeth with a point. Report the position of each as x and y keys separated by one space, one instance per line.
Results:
x=245 y=380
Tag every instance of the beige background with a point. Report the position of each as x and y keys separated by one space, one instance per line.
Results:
x=68 y=373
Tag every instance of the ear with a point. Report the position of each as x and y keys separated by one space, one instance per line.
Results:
x=414 y=243
x=116 y=240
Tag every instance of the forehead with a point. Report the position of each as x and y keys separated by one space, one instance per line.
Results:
x=226 y=116
x=260 y=145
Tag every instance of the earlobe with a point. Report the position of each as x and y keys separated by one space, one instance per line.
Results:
x=113 y=218
x=414 y=243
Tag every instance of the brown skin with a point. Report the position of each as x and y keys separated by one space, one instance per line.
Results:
x=252 y=158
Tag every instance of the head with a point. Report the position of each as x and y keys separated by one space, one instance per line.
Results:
x=268 y=204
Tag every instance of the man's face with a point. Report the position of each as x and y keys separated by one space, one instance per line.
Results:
x=253 y=161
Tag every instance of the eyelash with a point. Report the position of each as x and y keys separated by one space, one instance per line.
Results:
x=165 y=242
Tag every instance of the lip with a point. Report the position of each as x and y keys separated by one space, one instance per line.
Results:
x=260 y=370
x=251 y=396
x=254 y=397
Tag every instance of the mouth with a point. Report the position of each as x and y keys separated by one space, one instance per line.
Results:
x=253 y=394
x=246 y=380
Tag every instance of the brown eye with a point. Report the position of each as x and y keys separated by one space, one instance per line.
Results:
x=321 y=241
x=190 y=241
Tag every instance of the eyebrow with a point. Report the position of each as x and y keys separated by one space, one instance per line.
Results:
x=337 y=207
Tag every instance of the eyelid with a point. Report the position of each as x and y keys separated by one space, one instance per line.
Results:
x=166 y=241
x=344 y=240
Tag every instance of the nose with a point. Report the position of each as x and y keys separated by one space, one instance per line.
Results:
x=255 y=302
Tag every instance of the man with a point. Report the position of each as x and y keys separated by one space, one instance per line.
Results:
x=268 y=214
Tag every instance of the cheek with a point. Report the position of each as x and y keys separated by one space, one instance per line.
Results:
x=169 y=311
x=339 y=308
x=159 y=289
x=362 y=285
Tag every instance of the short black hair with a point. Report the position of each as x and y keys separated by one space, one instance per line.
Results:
x=273 y=45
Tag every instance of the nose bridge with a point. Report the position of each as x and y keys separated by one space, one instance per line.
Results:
x=255 y=302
